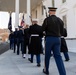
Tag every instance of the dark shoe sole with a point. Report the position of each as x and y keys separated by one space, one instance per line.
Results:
x=47 y=73
x=30 y=60
x=38 y=65
x=67 y=59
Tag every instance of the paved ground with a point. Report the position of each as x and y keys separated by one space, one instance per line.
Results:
x=71 y=45
x=12 y=64
x=4 y=47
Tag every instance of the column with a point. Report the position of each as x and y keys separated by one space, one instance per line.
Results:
x=28 y=20
x=28 y=7
x=16 y=13
x=45 y=6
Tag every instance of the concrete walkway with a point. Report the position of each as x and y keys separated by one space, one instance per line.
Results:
x=12 y=64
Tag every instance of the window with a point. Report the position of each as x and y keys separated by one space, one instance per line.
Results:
x=65 y=21
x=63 y=1
x=36 y=13
x=53 y=4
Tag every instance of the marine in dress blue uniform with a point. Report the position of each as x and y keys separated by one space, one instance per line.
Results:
x=35 y=47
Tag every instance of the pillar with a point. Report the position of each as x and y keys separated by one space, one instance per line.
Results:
x=28 y=7
x=28 y=20
x=16 y=13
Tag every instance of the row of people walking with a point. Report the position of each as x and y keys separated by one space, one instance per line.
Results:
x=28 y=37
x=53 y=27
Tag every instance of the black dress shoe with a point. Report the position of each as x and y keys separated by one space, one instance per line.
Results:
x=24 y=57
x=47 y=73
x=17 y=53
x=14 y=52
x=30 y=60
x=38 y=65
x=67 y=59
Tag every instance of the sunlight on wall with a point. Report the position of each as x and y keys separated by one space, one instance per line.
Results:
x=4 y=19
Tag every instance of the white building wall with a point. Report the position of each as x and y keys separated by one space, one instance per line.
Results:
x=39 y=13
x=71 y=27
x=58 y=3
x=34 y=13
x=68 y=9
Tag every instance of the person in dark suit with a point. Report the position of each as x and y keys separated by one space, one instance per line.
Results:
x=35 y=47
x=11 y=38
x=64 y=48
x=15 y=39
x=53 y=27
x=20 y=41
x=26 y=40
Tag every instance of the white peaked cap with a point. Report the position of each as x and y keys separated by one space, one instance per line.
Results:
x=35 y=20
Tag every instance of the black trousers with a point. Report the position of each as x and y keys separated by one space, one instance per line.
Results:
x=26 y=46
x=20 y=43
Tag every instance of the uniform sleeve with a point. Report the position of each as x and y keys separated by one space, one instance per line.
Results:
x=61 y=26
x=44 y=25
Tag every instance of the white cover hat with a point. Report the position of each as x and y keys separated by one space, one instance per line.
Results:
x=35 y=20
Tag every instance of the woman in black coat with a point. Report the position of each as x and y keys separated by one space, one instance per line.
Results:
x=26 y=41
x=64 y=47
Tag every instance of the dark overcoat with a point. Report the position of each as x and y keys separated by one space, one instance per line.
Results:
x=26 y=39
x=35 y=45
x=26 y=36
x=64 y=47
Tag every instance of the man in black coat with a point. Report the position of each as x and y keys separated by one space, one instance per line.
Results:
x=64 y=47
x=53 y=27
x=35 y=45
